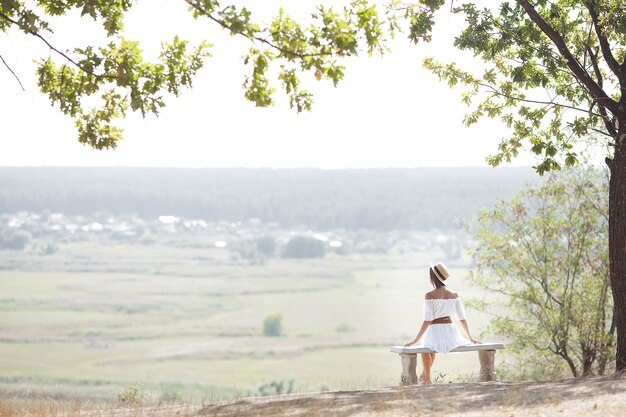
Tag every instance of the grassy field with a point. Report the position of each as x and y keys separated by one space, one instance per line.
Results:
x=185 y=323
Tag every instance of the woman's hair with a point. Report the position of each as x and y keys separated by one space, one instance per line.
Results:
x=433 y=277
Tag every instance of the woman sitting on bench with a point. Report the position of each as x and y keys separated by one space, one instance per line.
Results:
x=440 y=334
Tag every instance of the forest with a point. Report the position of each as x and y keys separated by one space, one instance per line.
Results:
x=373 y=199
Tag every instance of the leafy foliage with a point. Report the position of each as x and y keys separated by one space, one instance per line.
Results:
x=98 y=85
x=551 y=74
x=273 y=325
x=278 y=387
x=546 y=251
x=131 y=395
x=304 y=247
x=266 y=245
x=14 y=239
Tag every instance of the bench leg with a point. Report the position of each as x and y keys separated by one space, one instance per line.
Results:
x=487 y=360
x=409 y=364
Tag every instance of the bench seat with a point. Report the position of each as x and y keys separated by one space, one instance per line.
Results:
x=486 y=357
x=466 y=348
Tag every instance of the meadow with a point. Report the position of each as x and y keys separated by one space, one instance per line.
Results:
x=179 y=322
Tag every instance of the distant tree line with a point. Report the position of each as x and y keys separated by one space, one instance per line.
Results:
x=375 y=199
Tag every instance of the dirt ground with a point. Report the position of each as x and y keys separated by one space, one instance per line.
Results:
x=598 y=396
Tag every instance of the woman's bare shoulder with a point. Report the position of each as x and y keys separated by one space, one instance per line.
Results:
x=451 y=295
x=446 y=295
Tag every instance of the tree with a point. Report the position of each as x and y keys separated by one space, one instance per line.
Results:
x=121 y=80
x=555 y=73
x=273 y=325
x=546 y=251
x=14 y=239
x=266 y=245
x=304 y=247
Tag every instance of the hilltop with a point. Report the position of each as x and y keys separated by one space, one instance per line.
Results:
x=595 y=396
x=601 y=396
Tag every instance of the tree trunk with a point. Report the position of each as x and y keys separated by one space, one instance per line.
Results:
x=587 y=362
x=617 y=248
x=570 y=363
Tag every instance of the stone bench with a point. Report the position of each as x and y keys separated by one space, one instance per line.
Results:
x=486 y=356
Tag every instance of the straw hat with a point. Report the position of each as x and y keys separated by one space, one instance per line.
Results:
x=440 y=271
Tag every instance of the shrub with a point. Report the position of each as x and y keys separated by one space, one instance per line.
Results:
x=14 y=239
x=46 y=248
x=273 y=325
x=344 y=328
x=266 y=245
x=131 y=395
x=304 y=247
x=276 y=388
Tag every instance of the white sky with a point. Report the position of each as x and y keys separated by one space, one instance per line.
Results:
x=388 y=112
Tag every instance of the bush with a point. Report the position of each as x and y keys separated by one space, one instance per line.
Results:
x=273 y=325
x=266 y=245
x=46 y=248
x=276 y=388
x=147 y=239
x=131 y=395
x=344 y=328
x=246 y=249
x=14 y=239
x=304 y=247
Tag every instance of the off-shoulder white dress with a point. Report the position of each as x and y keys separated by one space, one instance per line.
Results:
x=445 y=336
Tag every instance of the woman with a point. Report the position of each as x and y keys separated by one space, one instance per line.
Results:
x=440 y=334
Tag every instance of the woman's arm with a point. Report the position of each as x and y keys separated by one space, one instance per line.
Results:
x=419 y=334
x=467 y=331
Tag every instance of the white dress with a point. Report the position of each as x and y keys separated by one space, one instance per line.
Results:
x=445 y=336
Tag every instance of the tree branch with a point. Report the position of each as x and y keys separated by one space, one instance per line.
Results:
x=272 y=45
x=597 y=93
x=594 y=61
x=542 y=281
x=12 y=72
x=601 y=132
x=63 y=54
x=552 y=103
x=519 y=38
x=604 y=43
